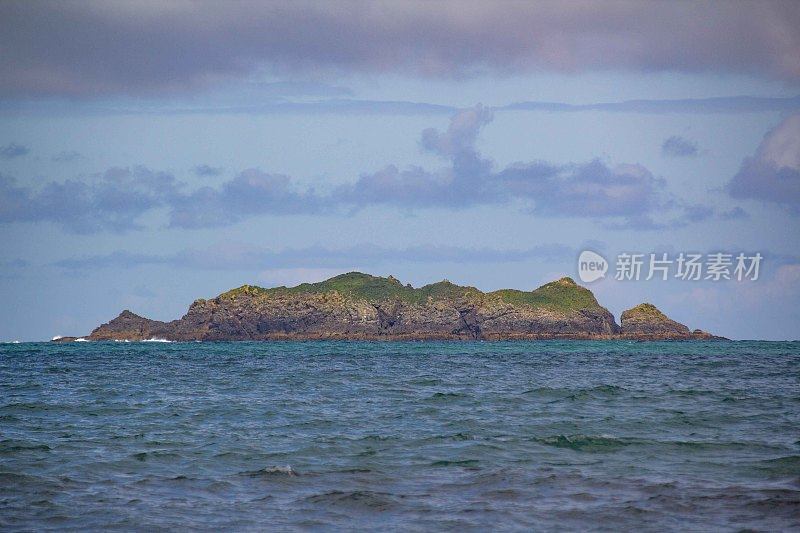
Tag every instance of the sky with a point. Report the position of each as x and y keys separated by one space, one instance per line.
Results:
x=154 y=153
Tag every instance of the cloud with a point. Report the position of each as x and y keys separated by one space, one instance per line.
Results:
x=206 y=170
x=253 y=105
x=676 y=146
x=89 y=49
x=300 y=88
x=113 y=201
x=13 y=268
x=66 y=157
x=588 y=190
x=251 y=193
x=592 y=189
x=467 y=182
x=231 y=256
x=735 y=213
x=322 y=107
x=773 y=174
x=718 y=104
x=349 y=106
x=13 y=150
x=625 y=195
x=460 y=135
x=680 y=215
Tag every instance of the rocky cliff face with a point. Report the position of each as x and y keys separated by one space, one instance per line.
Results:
x=645 y=321
x=360 y=306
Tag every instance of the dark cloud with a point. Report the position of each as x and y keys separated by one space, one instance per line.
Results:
x=466 y=183
x=246 y=257
x=251 y=193
x=590 y=190
x=12 y=150
x=773 y=174
x=762 y=180
x=676 y=146
x=112 y=201
x=206 y=170
x=90 y=49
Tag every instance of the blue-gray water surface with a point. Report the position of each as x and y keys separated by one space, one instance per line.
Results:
x=400 y=435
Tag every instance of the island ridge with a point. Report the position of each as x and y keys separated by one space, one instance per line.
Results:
x=359 y=306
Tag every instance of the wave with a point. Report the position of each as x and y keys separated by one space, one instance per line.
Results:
x=271 y=471
x=154 y=454
x=787 y=465
x=357 y=498
x=580 y=393
x=443 y=396
x=464 y=462
x=586 y=443
x=8 y=446
x=155 y=340
x=81 y=339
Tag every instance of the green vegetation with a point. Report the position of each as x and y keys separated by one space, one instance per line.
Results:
x=358 y=285
x=645 y=310
x=561 y=295
x=244 y=290
x=375 y=288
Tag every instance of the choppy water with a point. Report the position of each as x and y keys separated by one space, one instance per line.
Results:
x=518 y=435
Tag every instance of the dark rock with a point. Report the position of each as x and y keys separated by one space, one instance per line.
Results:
x=63 y=339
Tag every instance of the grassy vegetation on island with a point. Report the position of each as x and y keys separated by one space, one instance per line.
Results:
x=561 y=295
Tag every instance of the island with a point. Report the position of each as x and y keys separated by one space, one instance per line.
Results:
x=357 y=306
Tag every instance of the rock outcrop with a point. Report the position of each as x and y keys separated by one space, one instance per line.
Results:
x=360 y=306
x=646 y=322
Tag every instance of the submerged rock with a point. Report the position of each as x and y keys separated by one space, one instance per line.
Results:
x=59 y=338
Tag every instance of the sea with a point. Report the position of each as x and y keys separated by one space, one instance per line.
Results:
x=400 y=436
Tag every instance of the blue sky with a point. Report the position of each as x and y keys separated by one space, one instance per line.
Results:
x=152 y=155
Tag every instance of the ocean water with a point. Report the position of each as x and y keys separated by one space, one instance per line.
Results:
x=400 y=436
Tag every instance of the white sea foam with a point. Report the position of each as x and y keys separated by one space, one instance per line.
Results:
x=57 y=337
x=156 y=340
x=288 y=470
x=81 y=339
x=122 y=340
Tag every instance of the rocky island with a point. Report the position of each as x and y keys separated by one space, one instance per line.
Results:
x=363 y=307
